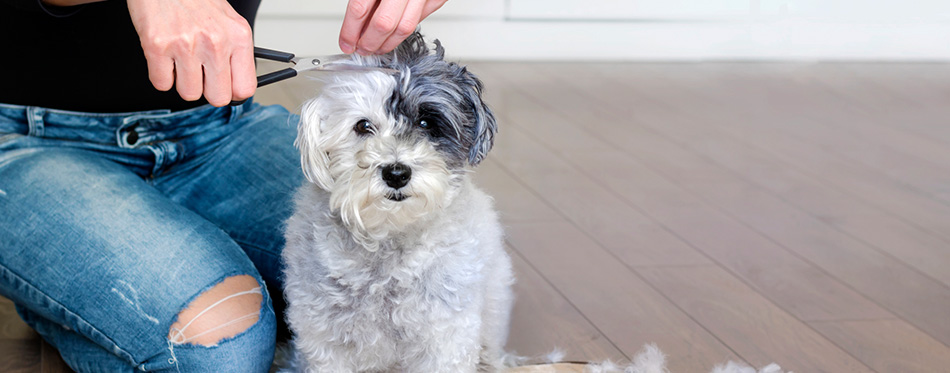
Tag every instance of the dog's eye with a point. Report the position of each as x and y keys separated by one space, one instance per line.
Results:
x=363 y=127
x=430 y=125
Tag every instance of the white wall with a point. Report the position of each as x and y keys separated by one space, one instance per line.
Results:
x=646 y=29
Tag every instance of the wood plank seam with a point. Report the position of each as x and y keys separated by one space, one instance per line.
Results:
x=563 y=296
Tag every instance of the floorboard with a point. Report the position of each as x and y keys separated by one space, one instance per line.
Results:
x=631 y=312
x=539 y=308
x=887 y=345
x=758 y=330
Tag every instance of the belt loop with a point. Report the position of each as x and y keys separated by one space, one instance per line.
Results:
x=34 y=116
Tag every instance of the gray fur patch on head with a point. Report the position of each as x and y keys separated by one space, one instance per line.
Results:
x=440 y=98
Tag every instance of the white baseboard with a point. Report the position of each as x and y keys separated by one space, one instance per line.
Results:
x=490 y=39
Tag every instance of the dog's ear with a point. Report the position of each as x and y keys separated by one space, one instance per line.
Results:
x=314 y=159
x=485 y=126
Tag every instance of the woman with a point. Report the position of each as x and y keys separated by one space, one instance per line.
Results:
x=140 y=225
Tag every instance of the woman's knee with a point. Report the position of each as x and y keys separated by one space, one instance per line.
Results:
x=229 y=325
x=223 y=311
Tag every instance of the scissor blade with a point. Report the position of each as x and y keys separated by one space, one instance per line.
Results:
x=339 y=62
x=350 y=67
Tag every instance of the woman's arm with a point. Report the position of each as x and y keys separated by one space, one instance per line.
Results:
x=205 y=48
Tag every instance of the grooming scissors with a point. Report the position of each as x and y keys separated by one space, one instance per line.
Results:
x=335 y=62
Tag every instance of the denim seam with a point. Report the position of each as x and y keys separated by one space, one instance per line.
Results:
x=128 y=356
x=171 y=171
x=87 y=114
x=250 y=245
x=181 y=167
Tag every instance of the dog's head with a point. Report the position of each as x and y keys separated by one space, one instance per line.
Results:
x=392 y=149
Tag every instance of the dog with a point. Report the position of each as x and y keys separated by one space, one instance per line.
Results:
x=394 y=260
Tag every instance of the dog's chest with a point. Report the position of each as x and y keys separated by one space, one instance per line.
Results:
x=396 y=293
x=404 y=280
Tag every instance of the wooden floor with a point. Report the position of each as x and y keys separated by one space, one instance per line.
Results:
x=788 y=213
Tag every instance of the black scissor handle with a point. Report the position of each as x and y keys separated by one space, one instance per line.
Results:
x=273 y=77
x=273 y=55
x=269 y=78
x=276 y=76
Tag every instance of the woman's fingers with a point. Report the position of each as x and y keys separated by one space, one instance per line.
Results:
x=358 y=12
x=202 y=47
x=243 y=73
x=405 y=27
x=431 y=6
x=188 y=78
x=387 y=16
x=378 y=26
x=217 y=80
x=161 y=71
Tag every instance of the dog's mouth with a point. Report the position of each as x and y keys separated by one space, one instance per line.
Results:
x=396 y=196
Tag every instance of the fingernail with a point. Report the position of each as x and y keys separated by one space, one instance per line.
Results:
x=346 y=47
x=363 y=52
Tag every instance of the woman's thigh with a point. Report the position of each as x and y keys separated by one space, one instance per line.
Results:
x=246 y=185
x=90 y=246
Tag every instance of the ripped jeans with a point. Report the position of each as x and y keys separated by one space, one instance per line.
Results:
x=118 y=233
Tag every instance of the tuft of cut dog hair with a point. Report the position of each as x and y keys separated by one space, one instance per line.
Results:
x=394 y=260
x=648 y=360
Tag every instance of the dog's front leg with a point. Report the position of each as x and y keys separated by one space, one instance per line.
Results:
x=446 y=358
x=452 y=345
x=319 y=357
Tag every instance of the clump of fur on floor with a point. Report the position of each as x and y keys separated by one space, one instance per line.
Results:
x=649 y=360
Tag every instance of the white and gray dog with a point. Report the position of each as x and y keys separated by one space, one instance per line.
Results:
x=394 y=259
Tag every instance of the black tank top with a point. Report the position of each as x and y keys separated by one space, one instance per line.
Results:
x=83 y=58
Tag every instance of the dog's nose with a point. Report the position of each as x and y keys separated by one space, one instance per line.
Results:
x=396 y=175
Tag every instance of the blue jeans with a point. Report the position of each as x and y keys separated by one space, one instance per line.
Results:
x=110 y=224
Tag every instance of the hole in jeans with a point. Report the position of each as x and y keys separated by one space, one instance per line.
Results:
x=227 y=309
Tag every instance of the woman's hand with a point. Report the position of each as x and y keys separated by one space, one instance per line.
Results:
x=202 y=47
x=378 y=26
